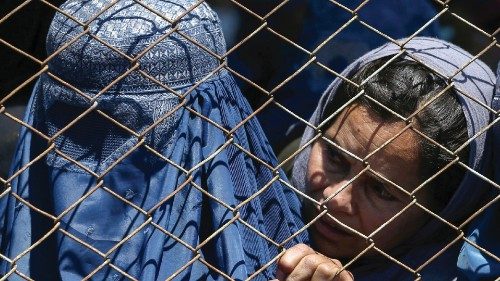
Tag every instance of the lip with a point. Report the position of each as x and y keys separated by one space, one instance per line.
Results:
x=330 y=230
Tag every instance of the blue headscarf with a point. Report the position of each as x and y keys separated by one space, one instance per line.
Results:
x=172 y=186
x=475 y=80
x=473 y=263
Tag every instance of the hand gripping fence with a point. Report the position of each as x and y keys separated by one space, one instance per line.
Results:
x=142 y=141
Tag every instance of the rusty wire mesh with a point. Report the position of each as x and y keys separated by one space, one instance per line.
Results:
x=445 y=9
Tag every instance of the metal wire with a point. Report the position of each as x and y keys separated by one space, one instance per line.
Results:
x=263 y=25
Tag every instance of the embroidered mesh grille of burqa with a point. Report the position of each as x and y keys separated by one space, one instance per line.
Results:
x=140 y=166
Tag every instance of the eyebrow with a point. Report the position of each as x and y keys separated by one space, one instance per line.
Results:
x=332 y=144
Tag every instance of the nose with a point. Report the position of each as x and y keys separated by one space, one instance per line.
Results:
x=343 y=200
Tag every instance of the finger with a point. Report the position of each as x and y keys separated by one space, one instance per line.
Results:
x=337 y=263
x=307 y=266
x=292 y=257
x=326 y=271
x=344 y=276
x=280 y=276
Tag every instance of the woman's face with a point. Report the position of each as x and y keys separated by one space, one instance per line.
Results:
x=369 y=201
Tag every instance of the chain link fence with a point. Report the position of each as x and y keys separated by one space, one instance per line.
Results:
x=267 y=98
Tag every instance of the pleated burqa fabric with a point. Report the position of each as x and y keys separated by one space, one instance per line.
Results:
x=125 y=209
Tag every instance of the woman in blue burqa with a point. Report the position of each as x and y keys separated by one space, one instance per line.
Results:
x=397 y=162
x=139 y=161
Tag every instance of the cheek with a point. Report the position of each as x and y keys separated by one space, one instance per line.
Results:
x=372 y=217
x=405 y=226
x=316 y=177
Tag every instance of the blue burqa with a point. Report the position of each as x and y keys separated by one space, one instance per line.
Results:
x=474 y=82
x=166 y=191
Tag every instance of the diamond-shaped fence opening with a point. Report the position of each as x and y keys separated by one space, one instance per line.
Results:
x=139 y=157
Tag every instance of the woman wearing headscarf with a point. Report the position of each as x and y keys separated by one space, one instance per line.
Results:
x=137 y=160
x=395 y=166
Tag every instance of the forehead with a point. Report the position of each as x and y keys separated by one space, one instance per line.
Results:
x=361 y=131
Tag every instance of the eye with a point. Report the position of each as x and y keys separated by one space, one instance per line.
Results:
x=381 y=191
x=334 y=155
x=336 y=161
